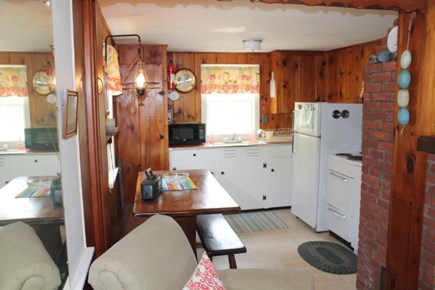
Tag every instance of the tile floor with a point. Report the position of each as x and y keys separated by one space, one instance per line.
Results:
x=278 y=249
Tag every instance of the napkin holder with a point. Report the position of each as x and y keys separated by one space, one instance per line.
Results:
x=151 y=186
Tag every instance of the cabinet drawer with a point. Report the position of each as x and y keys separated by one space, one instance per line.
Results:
x=341 y=167
x=338 y=222
x=339 y=191
x=191 y=159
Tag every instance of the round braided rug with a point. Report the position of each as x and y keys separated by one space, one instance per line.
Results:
x=329 y=257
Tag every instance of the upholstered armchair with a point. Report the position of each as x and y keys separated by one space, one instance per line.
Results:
x=24 y=262
x=157 y=255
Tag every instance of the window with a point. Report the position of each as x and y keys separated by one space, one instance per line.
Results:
x=15 y=116
x=230 y=100
x=228 y=114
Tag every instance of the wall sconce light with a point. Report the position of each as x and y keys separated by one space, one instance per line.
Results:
x=140 y=81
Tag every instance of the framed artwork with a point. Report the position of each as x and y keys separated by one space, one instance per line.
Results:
x=69 y=114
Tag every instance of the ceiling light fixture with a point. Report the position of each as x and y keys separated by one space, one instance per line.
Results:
x=252 y=44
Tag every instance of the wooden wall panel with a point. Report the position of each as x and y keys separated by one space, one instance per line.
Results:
x=343 y=72
x=320 y=79
x=307 y=79
x=188 y=107
x=334 y=76
x=409 y=171
x=427 y=100
x=42 y=113
x=142 y=130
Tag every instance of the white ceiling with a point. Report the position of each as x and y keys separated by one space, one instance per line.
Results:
x=205 y=25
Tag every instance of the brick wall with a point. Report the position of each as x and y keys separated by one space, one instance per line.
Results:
x=378 y=131
x=427 y=255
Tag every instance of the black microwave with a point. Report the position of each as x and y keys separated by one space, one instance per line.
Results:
x=186 y=133
x=41 y=138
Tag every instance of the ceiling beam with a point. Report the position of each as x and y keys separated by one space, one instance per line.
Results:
x=400 y=5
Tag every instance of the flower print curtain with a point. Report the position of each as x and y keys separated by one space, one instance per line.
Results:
x=13 y=81
x=230 y=79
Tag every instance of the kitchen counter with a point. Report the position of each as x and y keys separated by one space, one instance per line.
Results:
x=239 y=144
x=20 y=152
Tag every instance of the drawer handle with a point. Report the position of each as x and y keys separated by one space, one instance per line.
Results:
x=339 y=176
x=336 y=213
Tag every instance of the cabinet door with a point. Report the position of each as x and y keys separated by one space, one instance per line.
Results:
x=183 y=159
x=35 y=165
x=279 y=167
x=5 y=170
x=240 y=171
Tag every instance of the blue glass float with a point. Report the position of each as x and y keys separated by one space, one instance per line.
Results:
x=405 y=59
x=404 y=79
x=403 y=116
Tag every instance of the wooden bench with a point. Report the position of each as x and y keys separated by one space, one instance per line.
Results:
x=218 y=238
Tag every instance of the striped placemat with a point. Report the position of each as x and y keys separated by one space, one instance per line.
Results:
x=31 y=192
x=177 y=185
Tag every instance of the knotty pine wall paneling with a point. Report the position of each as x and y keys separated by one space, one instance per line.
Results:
x=320 y=78
x=42 y=113
x=188 y=107
x=142 y=139
x=335 y=76
x=344 y=72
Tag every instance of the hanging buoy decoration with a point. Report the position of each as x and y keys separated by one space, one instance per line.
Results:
x=404 y=79
x=405 y=59
x=385 y=56
x=403 y=98
x=403 y=116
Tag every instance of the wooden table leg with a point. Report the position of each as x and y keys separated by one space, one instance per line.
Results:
x=188 y=224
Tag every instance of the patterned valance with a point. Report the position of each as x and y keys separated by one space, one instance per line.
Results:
x=13 y=81
x=230 y=79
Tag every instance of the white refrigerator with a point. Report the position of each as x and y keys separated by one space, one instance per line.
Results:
x=320 y=129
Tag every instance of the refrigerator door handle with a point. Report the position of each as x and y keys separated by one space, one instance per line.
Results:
x=293 y=131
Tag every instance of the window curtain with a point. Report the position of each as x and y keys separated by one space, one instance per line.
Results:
x=227 y=79
x=13 y=81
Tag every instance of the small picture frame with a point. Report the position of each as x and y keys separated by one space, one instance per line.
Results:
x=70 y=104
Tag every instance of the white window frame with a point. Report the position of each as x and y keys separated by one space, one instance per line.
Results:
x=13 y=101
x=252 y=99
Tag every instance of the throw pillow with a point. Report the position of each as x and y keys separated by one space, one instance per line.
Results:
x=204 y=276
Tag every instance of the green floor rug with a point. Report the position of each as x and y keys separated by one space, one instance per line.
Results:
x=254 y=221
x=329 y=257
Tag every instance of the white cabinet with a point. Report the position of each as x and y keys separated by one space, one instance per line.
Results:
x=240 y=171
x=28 y=164
x=36 y=164
x=182 y=158
x=279 y=166
x=5 y=170
x=256 y=176
x=343 y=196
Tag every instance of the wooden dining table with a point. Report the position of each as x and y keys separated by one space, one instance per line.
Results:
x=185 y=205
x=31 y=210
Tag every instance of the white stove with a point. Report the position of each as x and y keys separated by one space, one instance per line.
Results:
x=343 y=196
